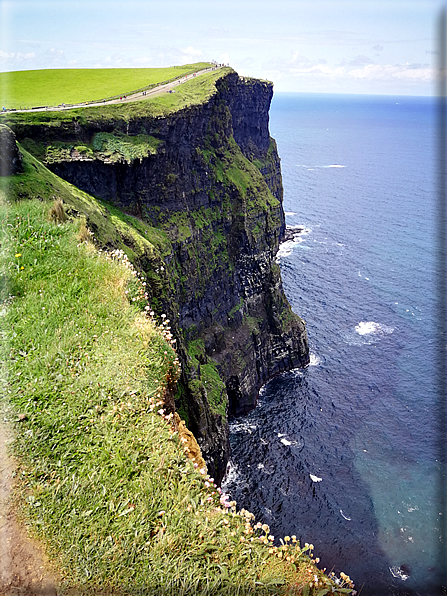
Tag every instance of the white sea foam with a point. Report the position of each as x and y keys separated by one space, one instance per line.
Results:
x=397 y=572
x=295 y=372
x=314 y=360
x=244 y=427
x=302 y=229
x=367 y=332
x=231 y=475
x=336 y=165
x=284 y=250
x=315 y=478
x=372 y=328
x=345 y=516
x=411 y=508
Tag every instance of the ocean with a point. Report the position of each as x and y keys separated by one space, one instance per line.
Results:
x=344 y=453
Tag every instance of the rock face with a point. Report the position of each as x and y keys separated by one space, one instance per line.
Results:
x=10 y=157
x=209 y=178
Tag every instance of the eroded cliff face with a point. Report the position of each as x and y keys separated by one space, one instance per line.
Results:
x=209 y=178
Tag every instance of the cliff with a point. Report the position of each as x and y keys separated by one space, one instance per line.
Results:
x=201 y=187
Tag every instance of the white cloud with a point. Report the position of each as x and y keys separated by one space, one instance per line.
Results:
x=17 y=55
x=390 y=72
x=190 y=51
x=361 y=69
x=12 y=60
x=189 y=54
x=360 y=60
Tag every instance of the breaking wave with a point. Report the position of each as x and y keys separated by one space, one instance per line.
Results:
x=371 y=328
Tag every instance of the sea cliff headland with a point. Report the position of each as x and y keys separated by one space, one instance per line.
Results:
x=204 y=183
x=140 y=288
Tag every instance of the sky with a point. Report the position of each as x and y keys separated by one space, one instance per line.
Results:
x=325 y=46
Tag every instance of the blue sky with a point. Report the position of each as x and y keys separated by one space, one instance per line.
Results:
x=332 y=46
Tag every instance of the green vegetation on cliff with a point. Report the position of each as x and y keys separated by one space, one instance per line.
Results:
x=104 y=146
x=103 y=478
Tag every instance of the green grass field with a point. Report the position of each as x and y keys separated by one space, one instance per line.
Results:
x=194 y=92
x=32 y=88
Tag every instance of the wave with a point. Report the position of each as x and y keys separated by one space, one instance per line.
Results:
x=231 y=475
x=294 y=373
x=315 y=478
x=286 y=247
x=400 y=572
x=314 y=360
x=371 y=328
x=367 y=332
x=284 y=250
x=336 y=165
x=244 y=427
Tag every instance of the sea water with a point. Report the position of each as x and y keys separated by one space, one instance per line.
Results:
x=344 y=453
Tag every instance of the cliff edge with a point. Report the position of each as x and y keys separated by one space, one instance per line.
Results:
x=201 y=188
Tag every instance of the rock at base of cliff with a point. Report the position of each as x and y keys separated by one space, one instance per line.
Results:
x=10 y=156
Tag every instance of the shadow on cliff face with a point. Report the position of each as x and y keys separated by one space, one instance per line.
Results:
x=10 y=157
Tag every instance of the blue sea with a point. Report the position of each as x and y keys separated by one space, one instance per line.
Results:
x=344 y=454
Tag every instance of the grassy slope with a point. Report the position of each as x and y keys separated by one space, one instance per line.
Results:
x=28 y=88
x=104 y=480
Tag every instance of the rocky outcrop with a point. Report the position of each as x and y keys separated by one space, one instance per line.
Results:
x=208 y=179
x=10 y=157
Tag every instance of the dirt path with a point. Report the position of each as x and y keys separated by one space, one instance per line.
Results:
x=24 y=569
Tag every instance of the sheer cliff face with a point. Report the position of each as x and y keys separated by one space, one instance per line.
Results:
x=212 y=183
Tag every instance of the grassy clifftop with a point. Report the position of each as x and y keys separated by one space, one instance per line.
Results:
x=28 y=88
x=104 y=479
x=193 y=92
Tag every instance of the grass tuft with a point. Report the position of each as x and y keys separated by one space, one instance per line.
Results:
x=57 y=212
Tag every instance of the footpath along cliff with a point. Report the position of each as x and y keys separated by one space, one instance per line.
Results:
x=200 y=188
